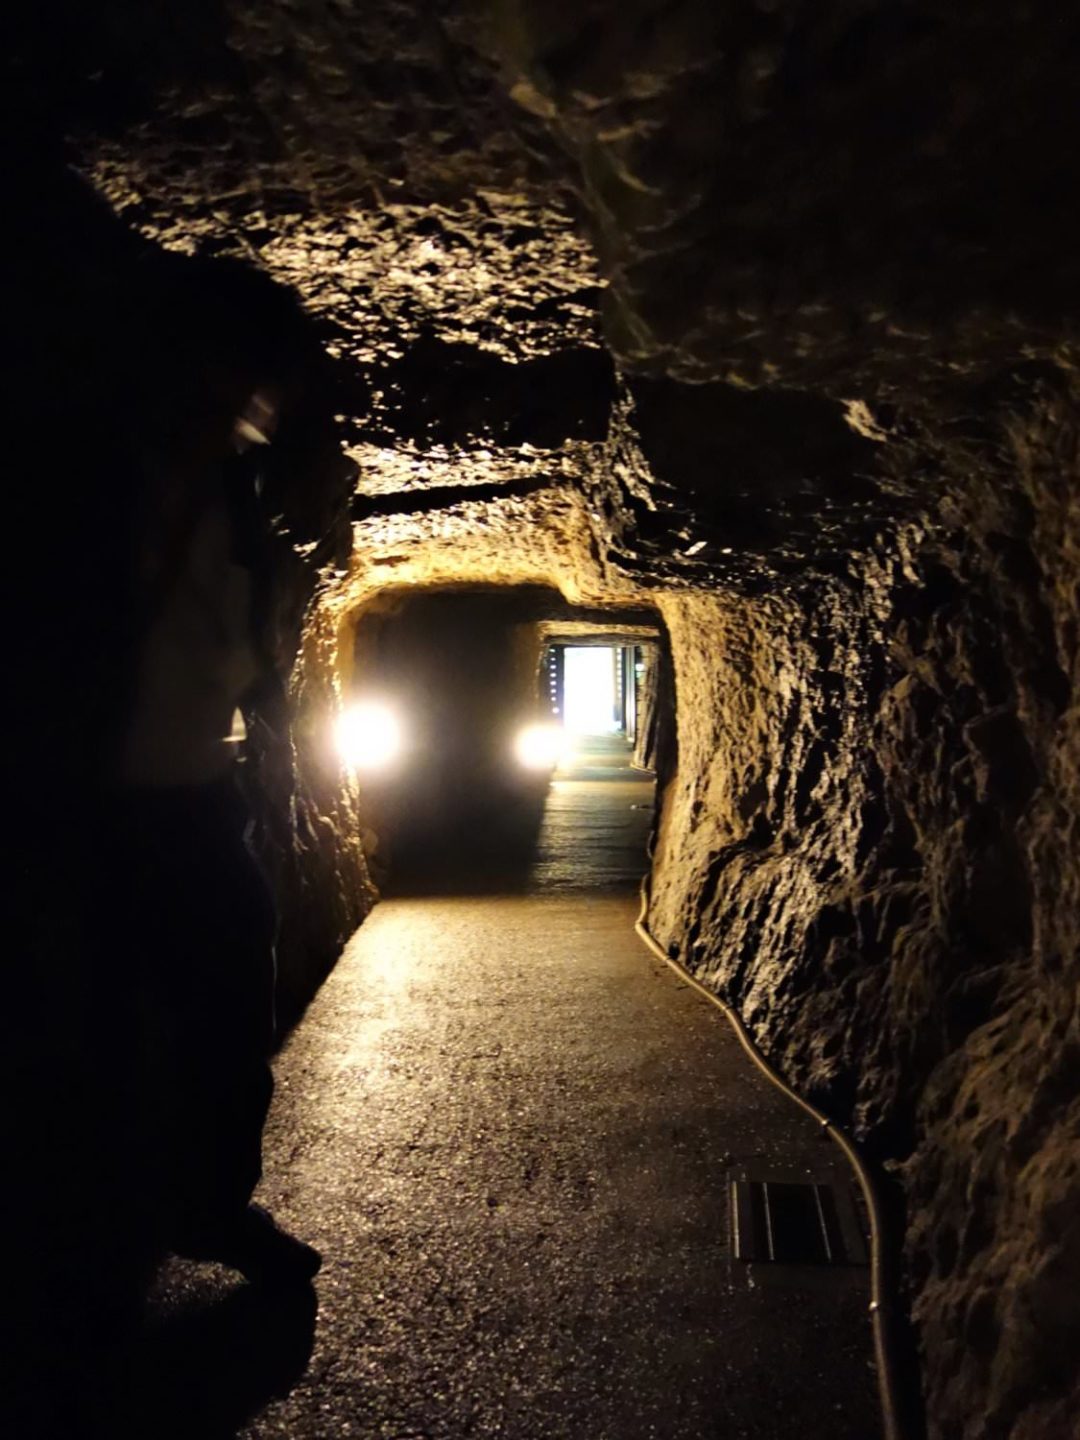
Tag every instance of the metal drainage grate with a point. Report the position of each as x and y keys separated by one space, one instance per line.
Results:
x=795 y=1224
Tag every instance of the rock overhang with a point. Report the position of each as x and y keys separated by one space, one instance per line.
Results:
x=470 y=257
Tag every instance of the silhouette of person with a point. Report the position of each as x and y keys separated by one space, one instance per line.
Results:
x=198 y=914
x=138 y=1012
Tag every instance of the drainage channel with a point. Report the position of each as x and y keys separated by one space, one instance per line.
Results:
x=790 y=1222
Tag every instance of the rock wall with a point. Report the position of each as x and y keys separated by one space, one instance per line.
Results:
x=120 y=350
x=841 y=223
x=870 y=848
x=307 y=833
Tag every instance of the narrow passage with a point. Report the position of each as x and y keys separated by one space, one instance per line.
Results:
x=511 y=1131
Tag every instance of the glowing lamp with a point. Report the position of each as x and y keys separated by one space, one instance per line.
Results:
x=369 y=736
x=540 y=747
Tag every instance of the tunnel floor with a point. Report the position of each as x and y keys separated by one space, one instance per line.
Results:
x=511 y=1132
x=595 y=829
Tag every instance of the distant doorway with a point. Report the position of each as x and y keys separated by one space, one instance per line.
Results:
x=590 y=695
x=598 y=690
x=599 y=807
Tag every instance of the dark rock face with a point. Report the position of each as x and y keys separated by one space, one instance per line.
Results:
x=111 y=338
x=866 y=849
x=764 y=315
x=800 y=194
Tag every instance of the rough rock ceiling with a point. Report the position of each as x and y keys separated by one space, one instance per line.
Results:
x=857 y=207
x=829 y=193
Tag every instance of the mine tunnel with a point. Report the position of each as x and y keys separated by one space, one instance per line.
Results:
x=542 y=615
x=465 y=702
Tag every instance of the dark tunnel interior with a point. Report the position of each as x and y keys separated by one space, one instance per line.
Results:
x=475 y=683
x=373 y=369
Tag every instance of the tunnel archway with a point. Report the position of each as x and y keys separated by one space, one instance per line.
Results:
x=466 y=670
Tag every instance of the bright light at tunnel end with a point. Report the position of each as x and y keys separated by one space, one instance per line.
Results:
x=540 y=747
x=369 y=736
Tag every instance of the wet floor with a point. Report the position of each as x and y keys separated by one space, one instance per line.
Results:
x=511 y=1133
x=597 y=818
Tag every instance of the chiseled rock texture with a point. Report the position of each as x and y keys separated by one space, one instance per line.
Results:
x=811 y=194
x=869 y=842
x=870 y=848
x=763 y=313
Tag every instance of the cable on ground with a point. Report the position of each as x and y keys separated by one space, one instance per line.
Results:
x=881 y=1309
